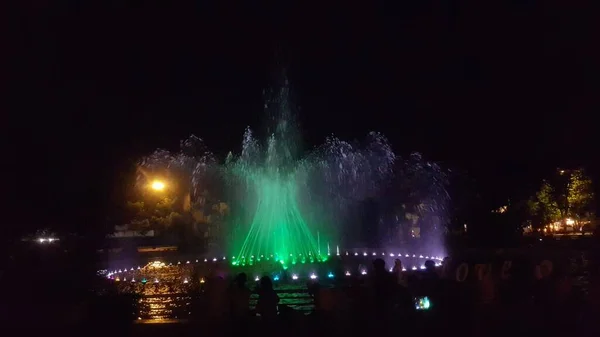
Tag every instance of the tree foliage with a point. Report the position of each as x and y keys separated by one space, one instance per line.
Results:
x=568 y=194
x=152 y=215
x=580 y=195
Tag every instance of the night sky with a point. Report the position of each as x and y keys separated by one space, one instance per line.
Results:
x=504 y=92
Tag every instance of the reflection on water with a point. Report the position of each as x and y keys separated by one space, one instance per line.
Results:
x=177 y=307
x=163 y=307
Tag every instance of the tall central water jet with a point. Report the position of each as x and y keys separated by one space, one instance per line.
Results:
x=270 y=223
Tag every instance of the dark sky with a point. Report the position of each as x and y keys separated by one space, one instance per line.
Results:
x=503 y=90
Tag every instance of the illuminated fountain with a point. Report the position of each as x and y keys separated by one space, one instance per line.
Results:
x=292 y=214
x=290 y=208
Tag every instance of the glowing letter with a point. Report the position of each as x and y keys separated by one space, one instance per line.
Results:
x=462 y=271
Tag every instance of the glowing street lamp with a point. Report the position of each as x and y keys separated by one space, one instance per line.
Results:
x=158 y=185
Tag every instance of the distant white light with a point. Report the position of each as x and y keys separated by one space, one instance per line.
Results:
x=46 y=240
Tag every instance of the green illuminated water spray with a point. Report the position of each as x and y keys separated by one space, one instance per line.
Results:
x=286 y=204
x=271 y=225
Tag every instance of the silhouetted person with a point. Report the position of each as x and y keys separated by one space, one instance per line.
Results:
x=429 y=285
x=446 y=265
x=429 y=279
x=430 y=269
x=240 y=297
x=382 y=287
x=313 y=289
x=216 y=295
x=267 y=299
x=397 y=272
x=403 y=298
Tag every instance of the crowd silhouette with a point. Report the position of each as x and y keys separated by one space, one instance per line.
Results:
x=385 y=301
